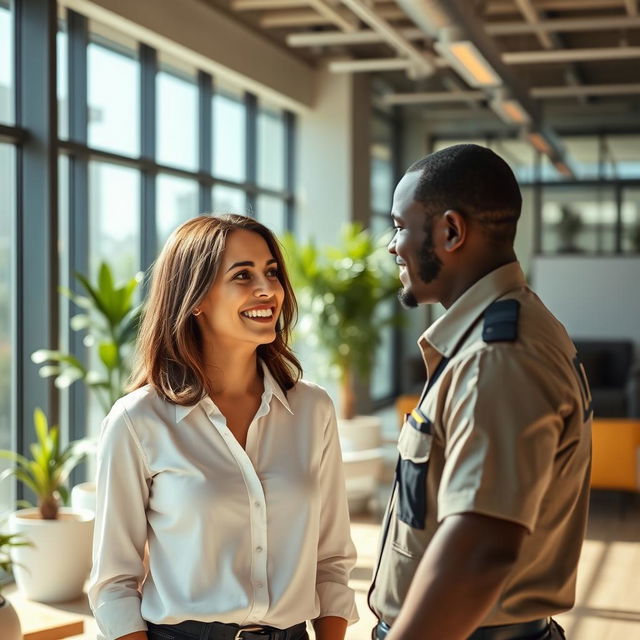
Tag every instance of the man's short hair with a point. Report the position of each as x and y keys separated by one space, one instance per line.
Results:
x=474 y=181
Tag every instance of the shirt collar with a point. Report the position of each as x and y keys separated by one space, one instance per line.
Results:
x=445 y=334
x=271 y=388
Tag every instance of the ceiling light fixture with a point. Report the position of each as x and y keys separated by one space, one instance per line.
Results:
x=539 y=142
x=509 y=109
x=466 y=59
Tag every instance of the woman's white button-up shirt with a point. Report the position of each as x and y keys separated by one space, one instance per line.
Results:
x=255 y=536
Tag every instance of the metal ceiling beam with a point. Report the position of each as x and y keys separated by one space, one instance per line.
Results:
x=530 y=14
x=336 y=38
x=263 y=5
x=437 y=97
x=310 y=18
x=563 y=24
x=571 y=55
x=420 y=61
x=347 y=24
x=507 y=6
x=369 y=65
x=628 y=89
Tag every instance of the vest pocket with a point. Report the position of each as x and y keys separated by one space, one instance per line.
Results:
x=414 y=447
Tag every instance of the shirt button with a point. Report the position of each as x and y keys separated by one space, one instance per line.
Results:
x=259 y=585
x=256 y=504
x=259 y=549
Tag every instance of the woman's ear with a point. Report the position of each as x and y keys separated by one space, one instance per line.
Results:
x=455 y=230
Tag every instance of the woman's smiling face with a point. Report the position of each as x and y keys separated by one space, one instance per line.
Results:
x=245 y=300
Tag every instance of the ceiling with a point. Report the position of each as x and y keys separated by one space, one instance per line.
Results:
x=558 y=65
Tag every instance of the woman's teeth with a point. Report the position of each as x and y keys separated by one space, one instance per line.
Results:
x=258 y=313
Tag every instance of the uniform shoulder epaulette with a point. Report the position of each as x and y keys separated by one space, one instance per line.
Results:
x=501 y=321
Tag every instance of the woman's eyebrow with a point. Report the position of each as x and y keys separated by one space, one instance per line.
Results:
x=249 y=263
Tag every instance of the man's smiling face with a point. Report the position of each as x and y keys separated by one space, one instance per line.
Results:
x=413 y=245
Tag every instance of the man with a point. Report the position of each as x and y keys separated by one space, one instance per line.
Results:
x=485 y=523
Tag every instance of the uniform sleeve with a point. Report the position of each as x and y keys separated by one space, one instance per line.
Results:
x=336 y=552
x=122 y=493
x=502 y=431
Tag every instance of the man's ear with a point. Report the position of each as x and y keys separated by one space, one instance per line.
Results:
x=455 y=230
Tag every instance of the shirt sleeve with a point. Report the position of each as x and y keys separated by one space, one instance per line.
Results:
x=122 y=493
x=336 y=552
x=502 y=428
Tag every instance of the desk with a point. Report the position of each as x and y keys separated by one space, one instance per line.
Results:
x=46 y=622
x=616 y=454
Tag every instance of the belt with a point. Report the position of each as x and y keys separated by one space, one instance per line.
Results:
x=223 y=631
x=518 y=631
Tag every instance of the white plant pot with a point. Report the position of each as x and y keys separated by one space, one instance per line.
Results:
x=83 y=496
x=363 y=459
x=9 y=623
x=55 y=568
x=360 y=433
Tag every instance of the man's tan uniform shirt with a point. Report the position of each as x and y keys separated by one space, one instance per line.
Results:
x=510 y=438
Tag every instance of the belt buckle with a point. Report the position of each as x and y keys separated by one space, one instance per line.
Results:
x=238 y=635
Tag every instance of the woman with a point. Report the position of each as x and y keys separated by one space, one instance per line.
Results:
x=220 y=460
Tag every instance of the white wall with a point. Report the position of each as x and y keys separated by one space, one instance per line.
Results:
x=594 y=297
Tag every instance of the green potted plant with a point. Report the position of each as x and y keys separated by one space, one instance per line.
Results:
x=54 y=567
x=340 y=292
x=9 y=622
x=110 y=317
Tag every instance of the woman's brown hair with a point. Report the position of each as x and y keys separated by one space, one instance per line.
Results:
x=169 y=346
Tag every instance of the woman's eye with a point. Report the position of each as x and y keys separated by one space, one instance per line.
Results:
x=272 y=273
x=241 y=275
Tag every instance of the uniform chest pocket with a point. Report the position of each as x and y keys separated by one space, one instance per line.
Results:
x=414 y=447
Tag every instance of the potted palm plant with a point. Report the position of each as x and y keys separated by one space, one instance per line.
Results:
x=9 y=622
x=110 y=317
x=55 y=565
x=340 y=292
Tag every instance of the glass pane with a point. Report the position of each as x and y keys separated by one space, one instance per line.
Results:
x=114 y=219
x=272 y=213
x=631 y=221
x=382 y=376
x=229 y=137
x=381 y=178
x=271 y=151
x=228 y=200
x=176 y=123
x=7 y=298
x=6 y=64
x=177 y=201
x=519 y=155
x=624 y=152
x=579 y=220
x=113 y=99
x=62 y=46
x=582 y=154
